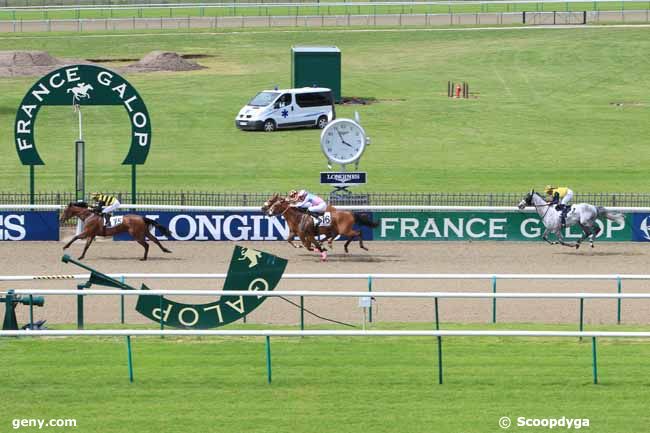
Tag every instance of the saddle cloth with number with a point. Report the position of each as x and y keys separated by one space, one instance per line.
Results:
x=325 y=220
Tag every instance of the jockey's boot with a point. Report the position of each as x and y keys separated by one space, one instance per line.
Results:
x=565 y=210
x=317 y=221
x=107 y=220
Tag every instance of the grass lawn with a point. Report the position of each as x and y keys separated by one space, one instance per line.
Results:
x=325 y=384
x=544 y=111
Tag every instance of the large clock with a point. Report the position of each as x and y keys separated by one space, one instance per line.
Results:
x=343 y=141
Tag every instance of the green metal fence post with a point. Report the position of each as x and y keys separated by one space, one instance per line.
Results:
x=437 y=319
x=582 y=308
x=494 y=300
x=80 y=308
x=129 y=357
x=122 y=279
x=439 y=360
x=302 y=313
x=268 y=359
x=370 y=290
x=618 y=301
x=31 y=311
x=595 y=360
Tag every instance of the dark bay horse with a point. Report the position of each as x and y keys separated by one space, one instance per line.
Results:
x=303 y=225
x=137 y=226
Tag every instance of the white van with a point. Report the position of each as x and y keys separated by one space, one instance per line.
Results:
x=288 y=108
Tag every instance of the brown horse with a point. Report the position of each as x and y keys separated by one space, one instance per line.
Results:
x=292 y=223
x=137 y=226
x=303 y=225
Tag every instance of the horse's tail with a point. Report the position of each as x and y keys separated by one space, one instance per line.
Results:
x=164 y=230
x=364 y=220
x=611 y=215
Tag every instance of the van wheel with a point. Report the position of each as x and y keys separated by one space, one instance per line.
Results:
x=269 y=125
x=321 y=122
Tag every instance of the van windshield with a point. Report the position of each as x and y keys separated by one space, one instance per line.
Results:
x=263 y=99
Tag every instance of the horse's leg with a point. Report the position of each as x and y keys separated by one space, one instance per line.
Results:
x=545 y=237
x=74 y=238
x=290 y=237
x=88 y=242
x=155 y=240
x=145 y=245
x=586 y=233
x=561 y=239
x=139 y=238
x=595 y=233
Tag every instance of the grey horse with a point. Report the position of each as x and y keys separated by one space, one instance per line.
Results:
x=582 y=214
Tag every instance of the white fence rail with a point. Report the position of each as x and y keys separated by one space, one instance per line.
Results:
x=342 y=294
x=128 y=333
x=316 y=333
x=365 y=277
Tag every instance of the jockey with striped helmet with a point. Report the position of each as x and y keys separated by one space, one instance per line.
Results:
x=105 y=204
x=310 y=203
x=561 y=197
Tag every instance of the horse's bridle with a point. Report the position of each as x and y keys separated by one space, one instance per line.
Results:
x=548 y=205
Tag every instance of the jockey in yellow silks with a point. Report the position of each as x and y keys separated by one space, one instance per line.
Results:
x=105 y=204
x=560 y=196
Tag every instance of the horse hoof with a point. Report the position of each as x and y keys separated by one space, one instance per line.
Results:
x=168 y=251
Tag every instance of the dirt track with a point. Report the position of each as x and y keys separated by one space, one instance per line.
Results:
x=44 y=258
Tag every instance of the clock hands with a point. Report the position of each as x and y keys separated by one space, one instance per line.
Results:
x=342 y=139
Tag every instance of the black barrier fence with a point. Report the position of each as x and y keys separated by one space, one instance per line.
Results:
x=198 y=198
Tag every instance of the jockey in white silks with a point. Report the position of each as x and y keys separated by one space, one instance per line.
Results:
x=311 y=203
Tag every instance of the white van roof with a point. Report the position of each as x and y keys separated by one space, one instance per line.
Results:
x=300 y=90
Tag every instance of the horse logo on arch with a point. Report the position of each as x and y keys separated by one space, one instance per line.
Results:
x=251 y=255
x=80 y=91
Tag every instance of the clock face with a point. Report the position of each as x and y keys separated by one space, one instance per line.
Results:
x=343 y=141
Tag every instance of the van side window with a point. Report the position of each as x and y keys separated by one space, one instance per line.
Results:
x=284 y=100
x=316 y=99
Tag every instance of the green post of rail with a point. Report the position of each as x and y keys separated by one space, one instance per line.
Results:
x=133 y=184
x=31 y=311
x=595 y=360
x=494 y=299
x=302 y=313
x=80 y=308
x=129 y=357
x=437 y=319
x=268 y=359
x=618 y=301
x=582 y=309
x=439 y=360
x=370 y=290
x=122 y=304
x=31 y=184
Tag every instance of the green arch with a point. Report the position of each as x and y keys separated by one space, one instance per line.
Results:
x=65 y=86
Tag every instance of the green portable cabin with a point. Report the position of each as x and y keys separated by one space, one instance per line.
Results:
x=317 y=66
